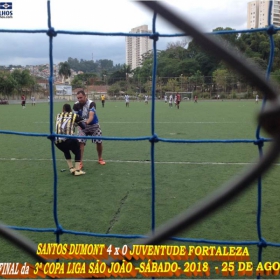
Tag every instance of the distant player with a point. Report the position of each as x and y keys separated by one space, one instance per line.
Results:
x=195 y=99
x=103 y=100
x=33 y=100
x=146 y=99
x=170 y=100
x=165 y=98
x=175 y=101
x=257 y=99
x=126 y=97
x=49 y=99
x=178 y=99
x=23 y=99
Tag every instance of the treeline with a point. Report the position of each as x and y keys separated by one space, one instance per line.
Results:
x=187 y=68
x=99 y=67
x=177 y=60
x=181 y=68
x=16 y=82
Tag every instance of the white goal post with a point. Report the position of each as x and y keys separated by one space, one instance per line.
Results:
x=184 y=94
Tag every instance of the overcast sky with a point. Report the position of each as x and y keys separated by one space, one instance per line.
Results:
x=102 y=16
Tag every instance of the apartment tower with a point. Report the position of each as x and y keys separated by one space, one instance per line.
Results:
x=257 y=14
x=137 y=46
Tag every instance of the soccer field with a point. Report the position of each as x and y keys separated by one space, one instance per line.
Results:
x=116 y=198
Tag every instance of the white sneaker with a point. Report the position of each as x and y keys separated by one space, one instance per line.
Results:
x=72 y=170
x=79 y=172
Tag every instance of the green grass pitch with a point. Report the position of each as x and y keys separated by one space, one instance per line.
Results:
x=116 y=198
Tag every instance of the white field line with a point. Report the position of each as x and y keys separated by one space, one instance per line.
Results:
x=138 y=161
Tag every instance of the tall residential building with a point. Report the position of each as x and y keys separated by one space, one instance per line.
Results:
x=252 y=14
x=257 y=14
x=137 y=46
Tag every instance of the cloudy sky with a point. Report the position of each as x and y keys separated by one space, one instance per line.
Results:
x=109 y=16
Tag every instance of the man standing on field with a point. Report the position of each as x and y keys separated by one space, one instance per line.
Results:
x=33 y=100
x=178 y=98
x=103 y=100
x=257 y=99
x=23 y=98
x=170 y=100
x=126 y=97
x=146 y=99
x=85 y=108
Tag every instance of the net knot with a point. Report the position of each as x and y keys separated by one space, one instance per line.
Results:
x=262 y=243
x=259 y=142
x=51 y=32
x=51 y=137
x=154 y=139
x=154 y=36
x=59 y=230
x=271 y=30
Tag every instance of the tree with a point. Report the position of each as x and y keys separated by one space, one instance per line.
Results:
x=231 y=38
x=172 y=85
x=22 y=79
x=206 y=63
x=120 y=75
x=105 y=64
x=77 y=82
x=64 y=70
x=114 y=89
x=196 y=80
x=188 y=66
x=223 y=79
x=126 y=69
x=180 y=43
x=276 y=76
x=81 y=80
x=74 y=63
x=7 y=84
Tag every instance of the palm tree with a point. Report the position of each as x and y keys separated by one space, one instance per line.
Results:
x=64 y=70
x=126 y=70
